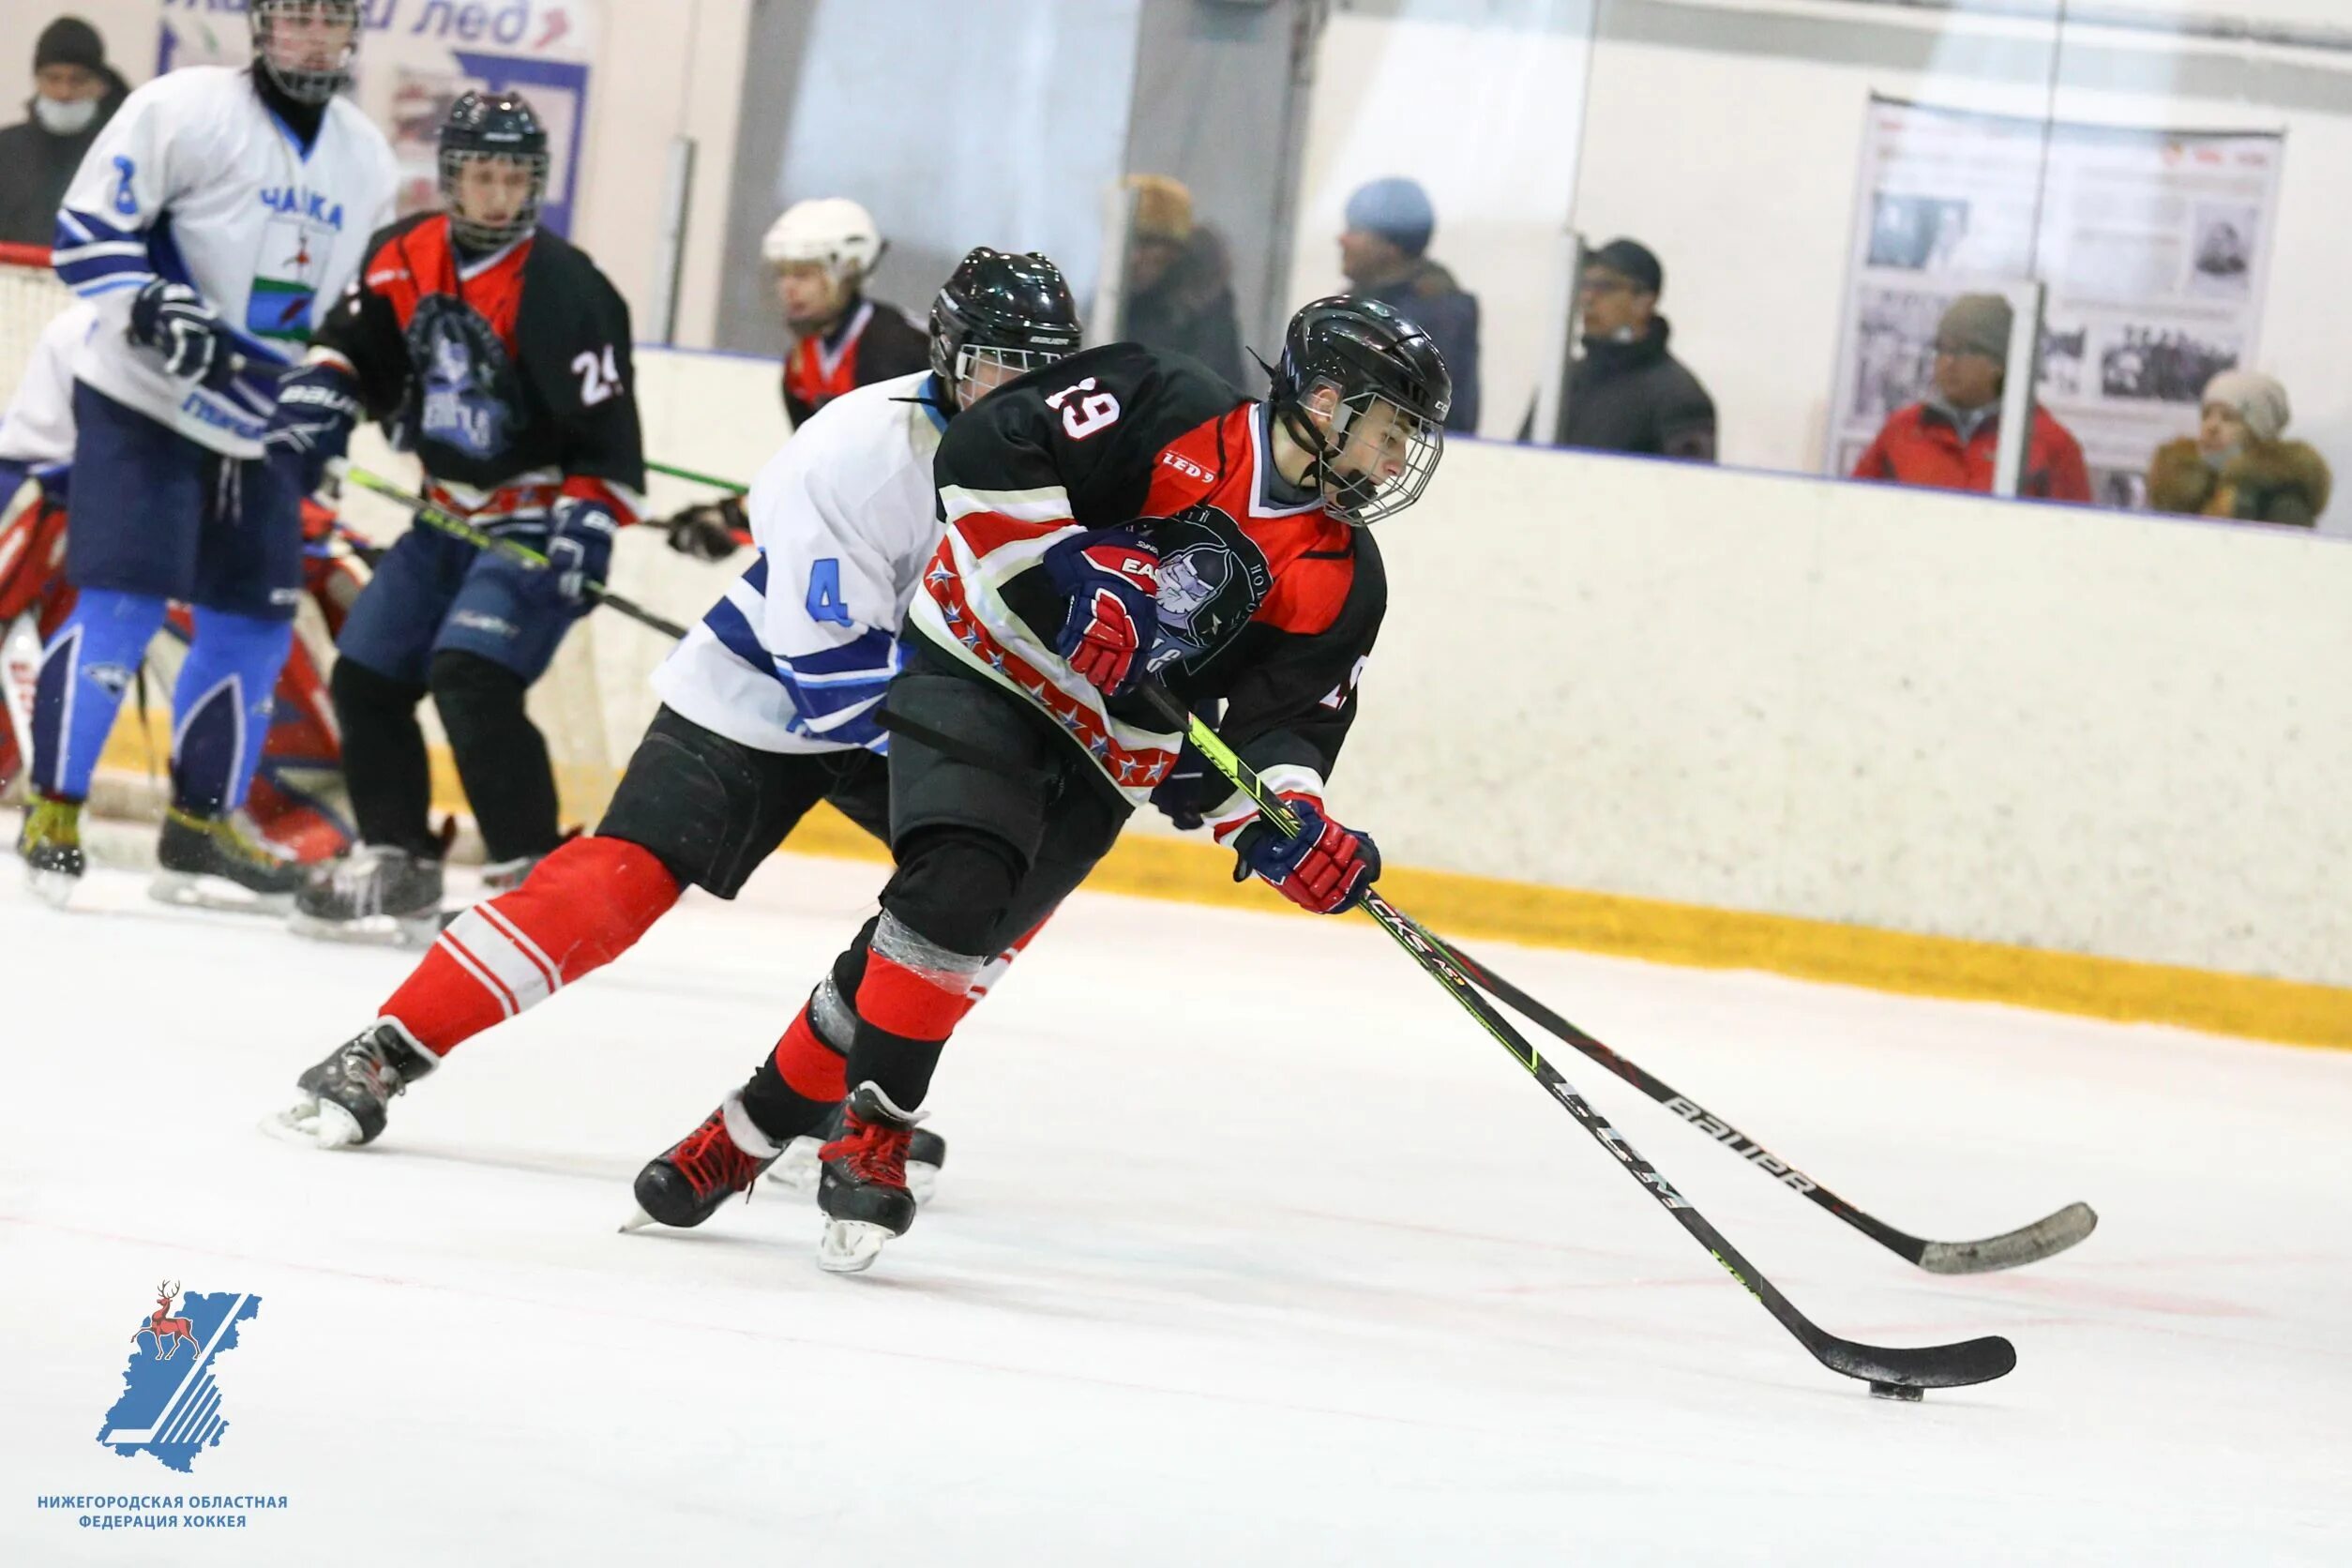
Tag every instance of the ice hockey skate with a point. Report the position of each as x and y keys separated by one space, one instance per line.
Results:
x=863 y=1188
x=214 y=863
x=51 y=843
x=800 y=1169
x=688 y=1182
x=344 y=1098
x=378 y=894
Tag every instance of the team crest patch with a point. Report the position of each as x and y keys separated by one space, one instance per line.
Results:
x=1213 y=579
x=464 y=366
x=169 y=1404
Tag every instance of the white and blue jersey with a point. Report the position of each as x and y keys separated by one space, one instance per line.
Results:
x=37 y=428
x=197 y=182
x=795 y=657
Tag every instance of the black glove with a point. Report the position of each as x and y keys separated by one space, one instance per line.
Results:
x=712 y=531
x=173 y=320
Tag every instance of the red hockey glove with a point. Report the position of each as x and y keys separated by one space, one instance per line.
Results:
x=1325 y=869
x=1110 y=576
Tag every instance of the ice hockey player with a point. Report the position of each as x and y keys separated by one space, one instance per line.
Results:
x=294 y=797
x=210 y=216
x=500 y=353
x=1122 y=516
x=769 y=705
x=822 y=252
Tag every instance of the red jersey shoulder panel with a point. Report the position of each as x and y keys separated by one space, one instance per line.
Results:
x=420 y=259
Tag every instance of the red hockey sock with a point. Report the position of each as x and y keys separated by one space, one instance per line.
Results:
x=579 y=908
x=993 y=970
x=909 y=1003
x=811 y=1069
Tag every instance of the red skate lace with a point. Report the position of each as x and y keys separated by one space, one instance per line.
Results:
x=874 y=1151
x=710 y=1160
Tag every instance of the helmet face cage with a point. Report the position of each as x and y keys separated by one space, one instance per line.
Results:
x=304 y=86
x=1389 y=396
x=1363 y=497
x=1012 y=362
x=473 y=233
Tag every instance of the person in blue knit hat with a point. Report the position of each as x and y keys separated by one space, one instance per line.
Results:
x=1381 y=251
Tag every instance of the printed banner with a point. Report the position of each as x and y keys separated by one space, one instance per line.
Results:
x=417 y=55
x=2152 y=244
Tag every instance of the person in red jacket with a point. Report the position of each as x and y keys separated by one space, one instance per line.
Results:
x=1948 y=441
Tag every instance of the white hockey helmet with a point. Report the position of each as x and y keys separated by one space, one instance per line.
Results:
x=832 y=231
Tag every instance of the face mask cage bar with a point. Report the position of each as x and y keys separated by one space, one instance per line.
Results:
x=301 y=85
x=1006 y=362
x=474 y=234
x=1414 y=444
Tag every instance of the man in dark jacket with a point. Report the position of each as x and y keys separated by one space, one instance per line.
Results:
x=1180 y=290
x=1625 y=392
x=1389 y=224
x=74 y=94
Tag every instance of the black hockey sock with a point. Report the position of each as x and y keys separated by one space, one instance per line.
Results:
x=502 y=757
x=383 y=757
x=778 y=1110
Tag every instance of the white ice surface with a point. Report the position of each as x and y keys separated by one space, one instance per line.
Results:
x=1303 y=1271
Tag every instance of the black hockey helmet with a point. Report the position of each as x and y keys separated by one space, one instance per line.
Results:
x=1014 y=308
x=487 y=125
x=1369 y=356
x=301 y=84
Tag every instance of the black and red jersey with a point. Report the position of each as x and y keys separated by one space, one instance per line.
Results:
x=508 y=374
x=1266 y=601
x=871 y=342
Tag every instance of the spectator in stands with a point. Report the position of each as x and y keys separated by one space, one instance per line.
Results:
x=1389 y=224
x=1625 y=392
x=1180 y=289
x=1947 y=442
x=75 y=92
x=2239 y=464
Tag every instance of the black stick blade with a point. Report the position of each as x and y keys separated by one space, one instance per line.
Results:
x=2043 y=1239
x=1972 y=1361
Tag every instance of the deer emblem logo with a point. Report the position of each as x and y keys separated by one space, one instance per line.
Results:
x=168 y=1330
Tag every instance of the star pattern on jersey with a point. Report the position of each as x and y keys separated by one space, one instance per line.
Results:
x=1090 y=728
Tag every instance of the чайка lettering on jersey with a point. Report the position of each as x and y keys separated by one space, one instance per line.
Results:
x=195 y=181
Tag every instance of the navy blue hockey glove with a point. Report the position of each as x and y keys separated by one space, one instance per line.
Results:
x=580 y=548
x=1324 y=870
x=317 y=407
x=173 y=320
x=1111 y=578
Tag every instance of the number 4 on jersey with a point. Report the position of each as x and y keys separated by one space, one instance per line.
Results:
x=1097 y=411
x=825 y=602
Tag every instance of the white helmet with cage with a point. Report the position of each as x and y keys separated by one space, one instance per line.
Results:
x=831 y=231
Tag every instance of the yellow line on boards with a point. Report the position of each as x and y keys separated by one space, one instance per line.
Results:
x=1145 y=865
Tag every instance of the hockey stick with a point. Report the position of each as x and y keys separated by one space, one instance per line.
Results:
x=2031 y=1243
x=456 y=527
x=711 y=480
x=1900 y=1372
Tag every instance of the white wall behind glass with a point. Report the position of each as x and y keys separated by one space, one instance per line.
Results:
x=1483 y=104
x=981 y=122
